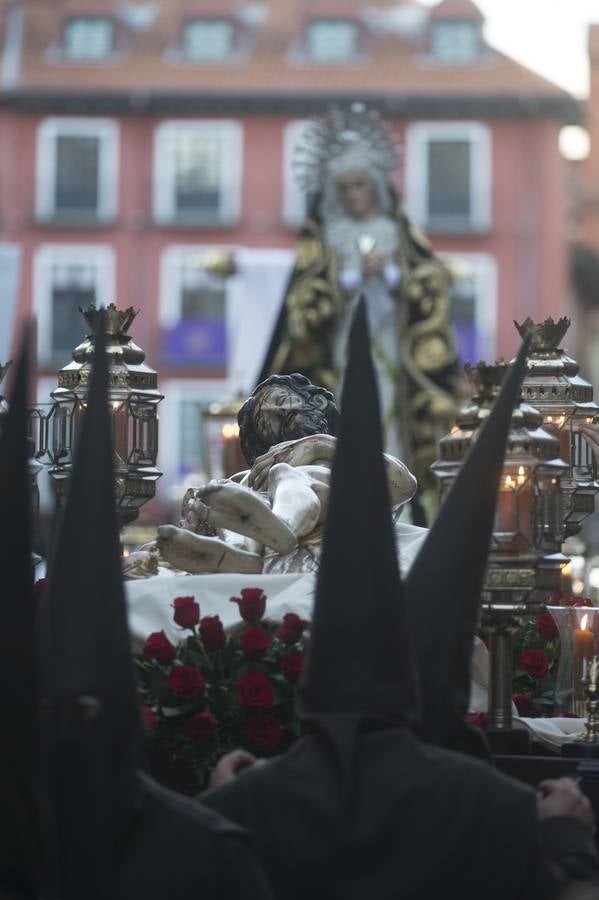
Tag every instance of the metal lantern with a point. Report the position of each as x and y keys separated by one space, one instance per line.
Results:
x=133 y=401
x=565 y=400
x=525 y=555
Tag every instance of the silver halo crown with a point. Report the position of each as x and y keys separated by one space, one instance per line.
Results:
x=357 y=133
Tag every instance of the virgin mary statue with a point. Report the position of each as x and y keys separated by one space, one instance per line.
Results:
x=357 y=240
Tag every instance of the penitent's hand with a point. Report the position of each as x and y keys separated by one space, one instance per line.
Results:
x=317 y=448
x=229 y=766
x=591 y=436
x=563 y=797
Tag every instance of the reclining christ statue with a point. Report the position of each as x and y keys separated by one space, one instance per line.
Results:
x=269 y=519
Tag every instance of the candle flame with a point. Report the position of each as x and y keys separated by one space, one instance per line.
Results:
x=521 y=476
x=509 y=481
x=549 y=419
x=230 y=430
x=584 y=621
x=566 y=568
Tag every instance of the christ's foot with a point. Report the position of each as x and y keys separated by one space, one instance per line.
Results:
x=198 y=554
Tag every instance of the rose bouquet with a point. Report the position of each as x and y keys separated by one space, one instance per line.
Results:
x=536 y=660
x=217 y=690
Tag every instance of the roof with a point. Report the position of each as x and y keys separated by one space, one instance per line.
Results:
x=269 y=65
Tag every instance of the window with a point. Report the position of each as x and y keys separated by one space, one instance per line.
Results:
x=88 y=39
x=448 y=176
x=331 y=40
x=208 y=40
x=455 y=42
x=295 y=201
x=66 y=277
x=193 y=312
x=473 y=304
x=185 y=458
x=197 y=172
x=220 y=326
x=77 y=169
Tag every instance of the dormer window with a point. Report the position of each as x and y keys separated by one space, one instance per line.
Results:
x=455 y=41
x=207 y=40
x=331 y=40
x=88 y=39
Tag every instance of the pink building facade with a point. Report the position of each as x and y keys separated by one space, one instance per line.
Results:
x=130 y=150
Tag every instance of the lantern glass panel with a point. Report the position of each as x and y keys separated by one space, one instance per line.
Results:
x=118 y=414
x=583 y=461
x=65 y=419
x=549 y=518
x=560 y=426
x=513 y=530
x=143 y=434
x=40 y=421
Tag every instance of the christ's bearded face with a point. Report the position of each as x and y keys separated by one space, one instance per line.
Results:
x=281 y=414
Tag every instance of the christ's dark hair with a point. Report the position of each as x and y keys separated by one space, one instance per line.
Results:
x=252 y=444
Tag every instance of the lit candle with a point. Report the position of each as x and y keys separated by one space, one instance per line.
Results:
x=505 y=507
x=583 y=641
x=232 y=458
x=567 y=581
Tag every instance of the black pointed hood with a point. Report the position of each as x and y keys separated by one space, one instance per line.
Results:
x=359 y=662
x=19 y=762
x=445 y=582
x=93 y=726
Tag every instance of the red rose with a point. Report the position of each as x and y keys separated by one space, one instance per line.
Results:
x=186 y=681
x=212 y=633
x=547 y=627
x=255 y=642
x=292 y=665
x=187 y=612
x=576 y=601
x=252 y=604
x=149 y=716
x=292 y=628
x=200 y=726
x=159 y=648
x=523 y=705
x=255 y=690
x=263 y=731
x=534 y=663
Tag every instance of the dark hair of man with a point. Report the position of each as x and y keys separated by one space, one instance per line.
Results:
x=252 y=445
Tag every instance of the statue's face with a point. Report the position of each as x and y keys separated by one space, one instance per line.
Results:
x=281 y=414
x=357 y=193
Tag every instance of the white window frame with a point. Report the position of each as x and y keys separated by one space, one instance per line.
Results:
x=230 y=176
x=418 y=137
x=107 y=132
x=99 y=256
x=209 y=20
x=332 y=60
x=88 y=59
x=294 y=199
x=176 y=391
x=485 y=272
x=248 y=330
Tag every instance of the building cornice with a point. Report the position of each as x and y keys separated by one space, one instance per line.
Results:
x=561 y=107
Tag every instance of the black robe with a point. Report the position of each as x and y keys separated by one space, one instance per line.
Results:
x=178 y=850
x=392 y=817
